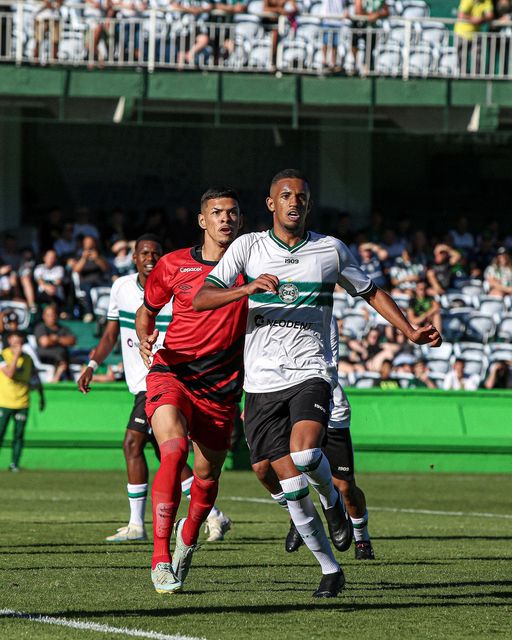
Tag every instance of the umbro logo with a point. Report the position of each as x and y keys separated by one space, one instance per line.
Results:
x=185 y=287
x=318 y=406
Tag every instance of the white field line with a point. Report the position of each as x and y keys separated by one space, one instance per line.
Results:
x=91 y=626
x=428 y=512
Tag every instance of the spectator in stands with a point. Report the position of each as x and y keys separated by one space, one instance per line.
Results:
x=371 y=257
x=83 y=225
x=420 y=249
x=392 y=244
x=457 y=379
x=460 y=236
x=274 y=9
x=47 y=21
x=348 y=359
x=504 y=17
x=421 y=379
x=10 y=253
x=386 y=381
x=7 y=281
x=440 y=271
x=224 y=43
x=373 y=350
x=482 y=258
x=424 y=309
x=26 y=277
x=333 y=13
x=472 y=15
x=498 y=274
x=128 y=28
x=92 y=270
x=372 y=11
x=67 y=244
x=200 y=37
x=8 y=322
x=49 y=277
x=123 y=260
x=98 y=15
x=405 y=274
x=53 y=342
x=499 y=376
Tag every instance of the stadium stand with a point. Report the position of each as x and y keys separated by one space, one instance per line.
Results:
x=415 y=38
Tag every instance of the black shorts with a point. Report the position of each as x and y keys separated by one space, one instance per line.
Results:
x=138 y=420
x=269 y=417
x=340 y=454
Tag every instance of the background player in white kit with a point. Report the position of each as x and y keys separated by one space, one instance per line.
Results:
x=126 y=297
x=291 y=275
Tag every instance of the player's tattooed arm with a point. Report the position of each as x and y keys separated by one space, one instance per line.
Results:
x=146 y=332
x=384 y=304
x=213 y=297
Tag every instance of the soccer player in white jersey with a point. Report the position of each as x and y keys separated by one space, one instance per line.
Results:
x=126 y=297
x=290 y=275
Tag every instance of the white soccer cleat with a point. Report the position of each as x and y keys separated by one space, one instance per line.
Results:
x=129 y=533
x=164 y=579
x=216 y=526
x=182 y=556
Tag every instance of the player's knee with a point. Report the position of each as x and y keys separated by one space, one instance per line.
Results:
x=208 y=473
x=261 y=469
x=345 y=488
x=133 y=445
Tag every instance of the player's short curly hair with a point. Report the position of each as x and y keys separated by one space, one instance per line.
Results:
x=288 y=173
x=219 y=192
x=148 y=237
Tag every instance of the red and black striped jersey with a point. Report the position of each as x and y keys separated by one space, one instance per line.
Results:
x=203 y=349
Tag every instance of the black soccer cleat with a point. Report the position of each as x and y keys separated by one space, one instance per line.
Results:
x=364 y=550
x=340 y=526
x=330 y=585
x=293 y=539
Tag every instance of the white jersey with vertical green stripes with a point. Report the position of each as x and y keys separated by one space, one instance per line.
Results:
x=288 y=338
x=126 y=296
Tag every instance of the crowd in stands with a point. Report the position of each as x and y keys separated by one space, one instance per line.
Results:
x=316 y=35
x=461 y=282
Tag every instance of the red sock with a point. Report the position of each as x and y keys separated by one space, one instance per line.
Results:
x=165 y=495
x=202 y=499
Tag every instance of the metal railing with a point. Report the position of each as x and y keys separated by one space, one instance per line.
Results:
x=78 y=34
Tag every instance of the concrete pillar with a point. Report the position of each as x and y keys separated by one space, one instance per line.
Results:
x=345 y=160
x=10 y=171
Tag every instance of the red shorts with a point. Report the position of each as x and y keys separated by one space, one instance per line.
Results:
x=209 y=423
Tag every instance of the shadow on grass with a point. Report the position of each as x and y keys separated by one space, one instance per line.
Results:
x=442 y=538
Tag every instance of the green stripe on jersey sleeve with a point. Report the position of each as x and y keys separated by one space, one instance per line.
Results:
x=216 y=281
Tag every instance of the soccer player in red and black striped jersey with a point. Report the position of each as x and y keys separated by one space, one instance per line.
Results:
x=193 y=383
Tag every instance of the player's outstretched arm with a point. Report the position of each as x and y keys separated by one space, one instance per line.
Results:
x=99 y=353
x=210 y=296
x=384 y=304
x=146 y=332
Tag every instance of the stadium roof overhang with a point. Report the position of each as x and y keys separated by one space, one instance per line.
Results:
x=395 y=106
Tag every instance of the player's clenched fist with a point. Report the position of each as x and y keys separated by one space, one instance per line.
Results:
x=426 y=335
x=265 y=282
x=146 y=347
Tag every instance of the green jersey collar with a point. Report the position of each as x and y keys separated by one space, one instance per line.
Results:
x=283 y=245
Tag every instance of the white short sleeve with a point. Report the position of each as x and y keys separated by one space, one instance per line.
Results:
x=113 y=303
x=350 y=276
x=232 y=263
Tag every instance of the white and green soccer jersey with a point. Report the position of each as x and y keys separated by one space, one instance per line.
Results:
x=288 y=336
x=126 y=297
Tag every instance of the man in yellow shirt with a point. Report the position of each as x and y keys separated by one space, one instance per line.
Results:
x=472 y=14
x=16 y=372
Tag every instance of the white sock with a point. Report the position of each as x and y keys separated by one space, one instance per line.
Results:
x=308 y=522
x=137 y=496
x=185 y=488
x=315 y=466
x=280 y=499
x=361 y=528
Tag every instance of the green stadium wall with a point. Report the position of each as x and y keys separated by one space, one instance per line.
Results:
x=393 y=431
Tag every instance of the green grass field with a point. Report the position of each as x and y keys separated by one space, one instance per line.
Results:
x=438 y=575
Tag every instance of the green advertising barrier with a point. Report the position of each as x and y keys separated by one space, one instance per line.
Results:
x=396 y=430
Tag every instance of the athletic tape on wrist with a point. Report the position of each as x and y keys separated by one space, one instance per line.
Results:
x=93 y=364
